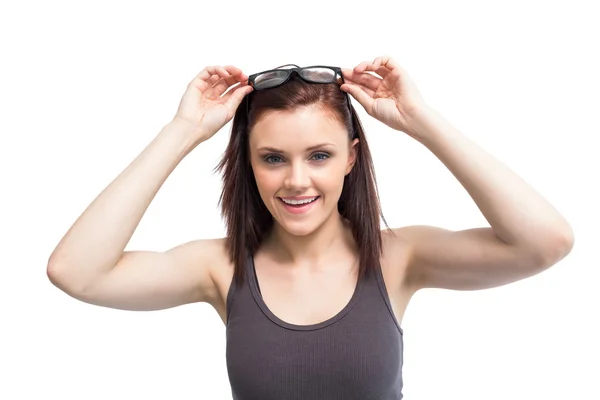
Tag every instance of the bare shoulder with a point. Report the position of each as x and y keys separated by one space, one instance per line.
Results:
x=395 y=259
x=205 y=263
x=394 y=267
x=399 y=243
x=211 y=257
x=399 y=246
x=221 y=272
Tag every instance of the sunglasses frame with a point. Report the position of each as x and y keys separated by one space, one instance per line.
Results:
x=296 y=70
x=290 y=71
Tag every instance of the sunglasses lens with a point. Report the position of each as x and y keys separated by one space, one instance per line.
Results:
x=318 y=74
x=269 y=79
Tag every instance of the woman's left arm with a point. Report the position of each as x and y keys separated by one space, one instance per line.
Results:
x=527 y=234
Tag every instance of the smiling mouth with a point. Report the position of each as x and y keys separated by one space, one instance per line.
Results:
x=300 y=202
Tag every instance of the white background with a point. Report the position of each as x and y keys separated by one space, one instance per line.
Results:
x=85 y=86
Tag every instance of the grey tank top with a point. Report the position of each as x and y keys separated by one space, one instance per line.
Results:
x=357 y=354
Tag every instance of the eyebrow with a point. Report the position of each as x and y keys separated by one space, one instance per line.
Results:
x=274 y=150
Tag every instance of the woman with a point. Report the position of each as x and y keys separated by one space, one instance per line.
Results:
x=312 y=292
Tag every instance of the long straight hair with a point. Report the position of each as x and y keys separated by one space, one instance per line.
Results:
x=247 y=218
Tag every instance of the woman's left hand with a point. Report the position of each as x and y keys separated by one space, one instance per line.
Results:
x=392 y=97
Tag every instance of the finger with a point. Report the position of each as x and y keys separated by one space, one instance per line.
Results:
x=203 y=78
x=365 y=89
x=372 y=66
x=365 y=79
x=234 y=97
x=390 y=65
x=235 y=75
x=381 y=72
x=206 y=74
x=213 y=79
x=360 y=95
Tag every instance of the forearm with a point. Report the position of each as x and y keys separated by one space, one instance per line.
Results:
x=96 y=241
x=518 y=215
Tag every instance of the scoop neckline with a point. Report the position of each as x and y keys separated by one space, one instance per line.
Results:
x=253 y=281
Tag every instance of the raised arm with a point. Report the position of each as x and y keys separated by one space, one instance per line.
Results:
x=526 y=233
x=90 y=263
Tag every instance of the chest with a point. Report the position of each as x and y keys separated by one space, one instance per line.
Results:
x=306 y=299
x=356 y=354
x=325 y=337
x=332 y=363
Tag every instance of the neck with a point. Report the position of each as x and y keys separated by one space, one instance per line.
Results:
x=330 y=240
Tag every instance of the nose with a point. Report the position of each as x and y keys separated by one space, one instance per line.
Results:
x=298 y=177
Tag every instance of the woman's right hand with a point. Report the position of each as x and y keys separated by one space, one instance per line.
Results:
x=203 y=108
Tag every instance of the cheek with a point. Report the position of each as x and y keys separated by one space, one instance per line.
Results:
x=331 y=179
x=266 y=181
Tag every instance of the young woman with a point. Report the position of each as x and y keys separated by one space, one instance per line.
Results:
x=311 y=290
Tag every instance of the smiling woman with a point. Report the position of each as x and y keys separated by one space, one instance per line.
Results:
x=311 y=290
x=308 y=230
x=306 y=168
x=298 y=140
x=302 y=168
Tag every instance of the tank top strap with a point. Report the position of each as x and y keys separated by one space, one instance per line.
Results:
x=386 y=297
x=234 y=290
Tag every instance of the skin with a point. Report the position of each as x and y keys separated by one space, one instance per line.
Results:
x=310 y=158
x=307 y=265
x=303 y=265
x=526 y=236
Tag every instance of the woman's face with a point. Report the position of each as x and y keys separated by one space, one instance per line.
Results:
x=299 y=159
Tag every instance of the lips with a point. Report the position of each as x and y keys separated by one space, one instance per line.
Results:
x=297 y=201
x=301 y=208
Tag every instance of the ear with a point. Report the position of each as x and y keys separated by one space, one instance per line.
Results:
x=352 y=154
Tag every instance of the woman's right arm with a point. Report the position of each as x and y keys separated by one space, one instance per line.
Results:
x=90 y=263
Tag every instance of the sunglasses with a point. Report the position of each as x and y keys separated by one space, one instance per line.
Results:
x=314 y=74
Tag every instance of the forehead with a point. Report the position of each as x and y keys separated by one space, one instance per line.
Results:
x=300 y=127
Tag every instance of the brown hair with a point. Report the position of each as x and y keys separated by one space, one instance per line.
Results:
x=247 y=218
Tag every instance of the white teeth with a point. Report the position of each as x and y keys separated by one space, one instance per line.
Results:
x=298 y=202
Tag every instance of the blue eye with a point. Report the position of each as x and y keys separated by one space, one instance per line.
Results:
x=269 y=159
x=275 y=159
x=320 y=156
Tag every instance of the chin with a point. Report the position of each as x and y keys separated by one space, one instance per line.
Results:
x=298 y=228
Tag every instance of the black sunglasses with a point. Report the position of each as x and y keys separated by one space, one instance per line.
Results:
x=314 y=74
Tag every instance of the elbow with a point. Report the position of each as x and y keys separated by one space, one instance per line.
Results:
x=62 y=278
x=556 y=247
x=53 y=269
x=55 y=275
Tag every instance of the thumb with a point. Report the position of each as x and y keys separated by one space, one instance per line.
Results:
x=235 y=97
x=363 y=98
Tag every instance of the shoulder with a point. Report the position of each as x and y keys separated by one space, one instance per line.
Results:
x=402 y=242
x=221 y=271
x=396 y=250
x=211 y=259
x=399 y=249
